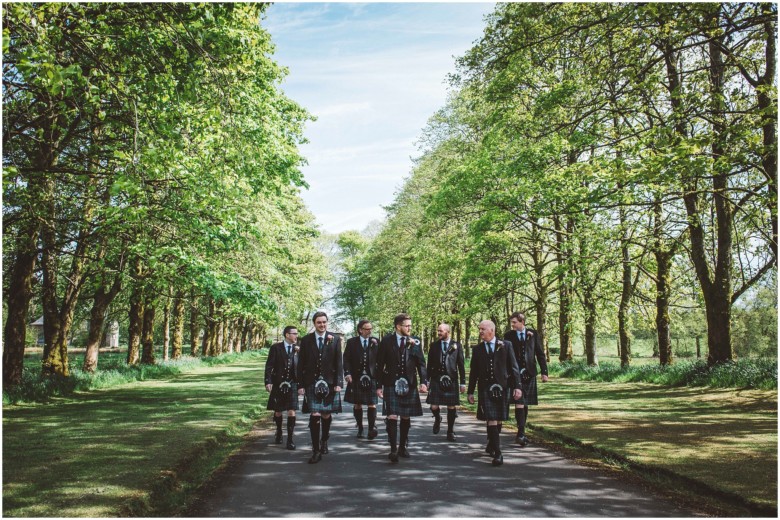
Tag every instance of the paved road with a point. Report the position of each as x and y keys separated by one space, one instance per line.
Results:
x=440 y=479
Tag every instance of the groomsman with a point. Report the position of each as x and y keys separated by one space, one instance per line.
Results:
x=527 y=345
x=493 y=366
x=321 y=376
x=399 y=361
x=281 y=381
x=360 y=374
x=446 y=368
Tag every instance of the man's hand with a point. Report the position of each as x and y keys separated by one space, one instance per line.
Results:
x=268 y=387
x=301 y=391
x=348 y=379
x=337 y=388
x=517 y=394
x=462 y=389
x=380 y=393
x=471 y=398
x=423 y=388
x=545 y=378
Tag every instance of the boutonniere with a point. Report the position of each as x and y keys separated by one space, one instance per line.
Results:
x=499 y=344
x=296 y=348
x=373 y=341
x=328 y=339
x=412 y=342
x=528 y=334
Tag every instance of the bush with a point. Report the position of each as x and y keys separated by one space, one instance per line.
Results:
x=112 y=372
x=745 y=373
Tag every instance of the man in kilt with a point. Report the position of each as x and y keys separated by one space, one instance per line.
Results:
x=321 y=375
x=493 y=365
x=360 y=374
x=399 y=360
x=446 y=367
x=527 y=345
x=280 y=380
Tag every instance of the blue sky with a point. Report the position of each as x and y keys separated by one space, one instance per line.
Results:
x=373 y=74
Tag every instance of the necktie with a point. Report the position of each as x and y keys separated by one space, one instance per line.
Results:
x=288 y=350
x=522 y=336
x=320 y=340
x=444 y=346
x=365 y=343
x=490 y=347
x=403 y=341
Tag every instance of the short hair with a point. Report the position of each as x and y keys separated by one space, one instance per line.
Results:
x=361 y=323
x=288 y=328
x=399 y=319
x=519 y=316
x=317 y=315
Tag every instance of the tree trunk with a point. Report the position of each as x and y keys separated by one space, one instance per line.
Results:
x=20 y=292
x=147 y=356
x=194 y=325
x=625 y=295
x=135 y=322
x=590 y=331
x=565 y=290
x=467 y=341
x=166 y=328
x=177 y=342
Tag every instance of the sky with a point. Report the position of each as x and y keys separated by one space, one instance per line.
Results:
x=372 y=74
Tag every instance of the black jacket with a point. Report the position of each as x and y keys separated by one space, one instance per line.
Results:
x=533 y=348
x=454 y=361
x=504 y=366
x=387 y=362
x=332 y=370
x=276 y=366
x=353 y=356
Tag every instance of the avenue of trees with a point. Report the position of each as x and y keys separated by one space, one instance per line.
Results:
x=150 y=171
x=603 y=167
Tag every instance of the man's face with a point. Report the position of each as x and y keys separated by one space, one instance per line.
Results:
x=443 y=332
x=321 y=324
x=365 y=330
x=404 y=328
x=291 y=337
x=486 y=333
x=516 y=324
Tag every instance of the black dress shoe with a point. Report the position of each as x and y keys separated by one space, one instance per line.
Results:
x=324 y=447
x=372 y=433
x=278 y=438
x=290 y=445
x=522 y=440
x=451 y=437
x=315 y=457
x=403 y=452
x=393 y=456
x=436 y=424
x=489 y=449
x=360 y=434
x=497 y=461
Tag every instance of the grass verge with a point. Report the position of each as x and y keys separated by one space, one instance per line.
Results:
x=702 y=442
x=138 y=449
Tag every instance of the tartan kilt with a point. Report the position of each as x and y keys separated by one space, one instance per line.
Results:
x=439 y=397
x=489 y=410
x=530 y=393
x=279 y=403
x=355 y=394
x=409 y=406
x=331 y=404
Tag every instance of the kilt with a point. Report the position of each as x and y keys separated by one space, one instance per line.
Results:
x=279 y=403
x=530 y=394
x=355 y=394
x=331 y=404
x=490 y=410
x=439 y=397
x=408 y=406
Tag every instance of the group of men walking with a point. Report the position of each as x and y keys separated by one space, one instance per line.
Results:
x=394 y=369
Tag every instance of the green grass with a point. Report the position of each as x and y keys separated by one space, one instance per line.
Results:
x=745 y=373
x=140 y=448
x=725 y=439
x=112 y=371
